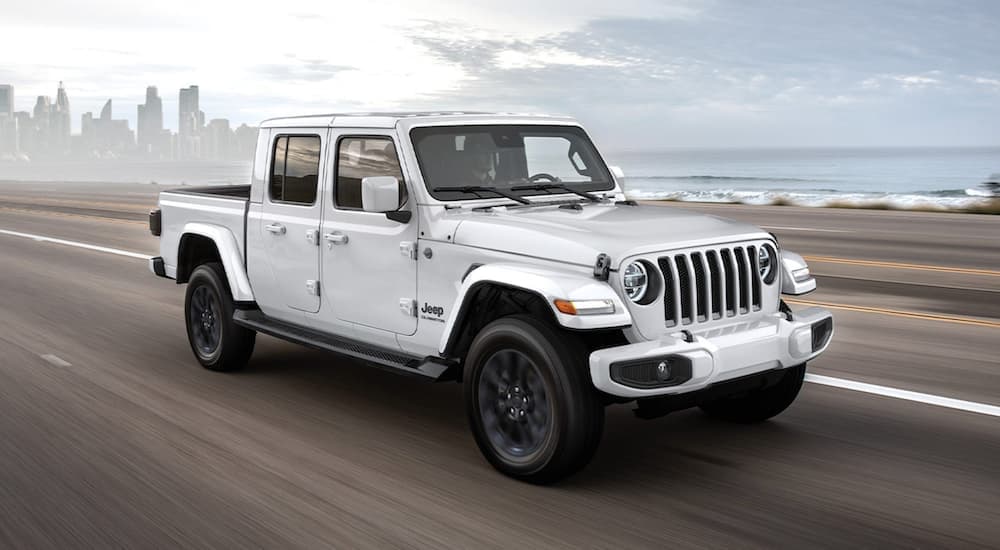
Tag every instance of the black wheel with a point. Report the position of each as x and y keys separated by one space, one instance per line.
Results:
x=217 y=342
x=759 y=405
x=533 y=410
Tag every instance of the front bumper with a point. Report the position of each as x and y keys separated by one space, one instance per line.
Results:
x=701 y=359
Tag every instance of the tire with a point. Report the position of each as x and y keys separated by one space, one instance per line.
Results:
x=532 y=407
x=218 y=343
x=759 y=405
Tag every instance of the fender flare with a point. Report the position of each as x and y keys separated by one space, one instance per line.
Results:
x=229 y=254
x=547 y=284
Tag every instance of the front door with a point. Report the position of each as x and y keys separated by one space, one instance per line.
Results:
x=290 y=220
x=369 y=273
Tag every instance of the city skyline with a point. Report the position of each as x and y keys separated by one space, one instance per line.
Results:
x=46 y=130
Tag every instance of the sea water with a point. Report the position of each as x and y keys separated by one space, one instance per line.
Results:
x=900 y=176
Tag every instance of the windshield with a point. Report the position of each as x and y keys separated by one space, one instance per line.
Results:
x=507 y=157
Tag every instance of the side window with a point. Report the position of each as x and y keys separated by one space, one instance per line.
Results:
x=361 y=157
x=295 y=170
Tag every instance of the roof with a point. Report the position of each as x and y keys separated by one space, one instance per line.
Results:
x=391 y=119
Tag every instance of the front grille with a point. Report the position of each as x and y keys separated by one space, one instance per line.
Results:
x=710 y=284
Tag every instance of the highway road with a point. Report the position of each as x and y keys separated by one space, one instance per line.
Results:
x=111 y=435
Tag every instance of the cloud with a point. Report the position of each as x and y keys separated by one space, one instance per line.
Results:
x=691 y=72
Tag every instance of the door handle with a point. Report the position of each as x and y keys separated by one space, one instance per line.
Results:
x=275 y=228
x=335 y=238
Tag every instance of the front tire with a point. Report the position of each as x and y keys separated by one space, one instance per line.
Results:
x=759 y=405
x=532 y=408
x=218 y=343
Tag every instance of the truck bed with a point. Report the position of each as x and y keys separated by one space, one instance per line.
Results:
x=218 y=208
x=231 y=191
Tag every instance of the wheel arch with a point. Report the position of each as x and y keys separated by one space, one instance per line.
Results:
x=492 y=291
x=201 y=243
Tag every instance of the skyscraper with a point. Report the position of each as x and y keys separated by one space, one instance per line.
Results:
x=59 y=122
x=8 y=125
x=40 y=126
x=190 y=119
x=149 y=129
x=6 y=100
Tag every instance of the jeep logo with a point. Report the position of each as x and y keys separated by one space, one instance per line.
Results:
x=433 y=310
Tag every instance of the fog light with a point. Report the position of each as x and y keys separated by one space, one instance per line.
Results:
x=663 y=371
x=655 y=372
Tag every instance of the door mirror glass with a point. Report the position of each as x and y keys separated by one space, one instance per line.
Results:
x=380 y=194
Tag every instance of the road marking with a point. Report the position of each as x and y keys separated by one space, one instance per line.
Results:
x=44 y=239
x=907 y=395
x=812 y=229
x=55 y=360
x=900 y=313
x=898 y=265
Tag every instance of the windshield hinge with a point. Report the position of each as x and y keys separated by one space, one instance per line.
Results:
x=602 y=267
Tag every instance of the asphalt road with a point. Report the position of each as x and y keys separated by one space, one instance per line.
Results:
x=111 y=435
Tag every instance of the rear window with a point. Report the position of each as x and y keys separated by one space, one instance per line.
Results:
x=295 y=170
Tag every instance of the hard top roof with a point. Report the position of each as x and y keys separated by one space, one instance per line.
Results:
x=390 y=119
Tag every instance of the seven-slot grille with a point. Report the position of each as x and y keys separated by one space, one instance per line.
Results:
x=710 y=284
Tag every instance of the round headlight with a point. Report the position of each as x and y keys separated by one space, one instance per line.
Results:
x=635 y=281
x=767 y=263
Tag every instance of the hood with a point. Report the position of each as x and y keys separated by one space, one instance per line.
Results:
x=578 y=236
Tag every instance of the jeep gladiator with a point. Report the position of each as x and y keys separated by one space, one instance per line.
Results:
x=498 y=250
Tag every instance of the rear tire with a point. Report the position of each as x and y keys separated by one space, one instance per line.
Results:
x=759 y=405
x=218 y=343
x=531 y=405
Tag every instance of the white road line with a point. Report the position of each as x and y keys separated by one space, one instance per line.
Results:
x=907 y=395
x=56 y=360
x=44 y=239
x=813 y=229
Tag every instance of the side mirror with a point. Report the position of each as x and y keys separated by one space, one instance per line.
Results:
x=617 y=171
x=380 y=194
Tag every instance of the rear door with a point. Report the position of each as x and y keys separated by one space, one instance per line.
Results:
x=290 y=218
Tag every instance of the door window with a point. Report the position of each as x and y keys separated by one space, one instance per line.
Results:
x=295 y=170
x=361 y=157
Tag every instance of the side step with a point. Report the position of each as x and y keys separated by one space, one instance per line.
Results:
x=427 y=368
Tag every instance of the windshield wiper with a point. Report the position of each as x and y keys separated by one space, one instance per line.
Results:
x=482 y=189
x=561 y=186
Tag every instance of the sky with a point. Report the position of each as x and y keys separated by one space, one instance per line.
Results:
x=640 y=74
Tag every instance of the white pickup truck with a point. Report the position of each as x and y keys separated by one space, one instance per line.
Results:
x=498 y=250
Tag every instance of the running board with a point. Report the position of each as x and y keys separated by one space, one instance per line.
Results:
x=427 y=368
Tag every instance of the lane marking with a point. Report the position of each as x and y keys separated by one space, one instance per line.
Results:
x=812 y=229
x=900 y=313
x=900 y=265
x=88 y=217
x=56 y=360
x=94 y=247
x=926 y=398
x=905 y=283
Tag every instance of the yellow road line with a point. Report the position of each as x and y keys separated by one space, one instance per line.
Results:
x=898 y=265
x=77 y=216
x=900 y=313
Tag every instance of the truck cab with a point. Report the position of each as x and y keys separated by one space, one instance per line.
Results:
x=498 y=250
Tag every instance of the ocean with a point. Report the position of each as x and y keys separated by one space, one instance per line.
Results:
x=904 y=177
x=947 y=177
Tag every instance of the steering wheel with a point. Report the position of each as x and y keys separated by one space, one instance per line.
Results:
x=543 y=175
